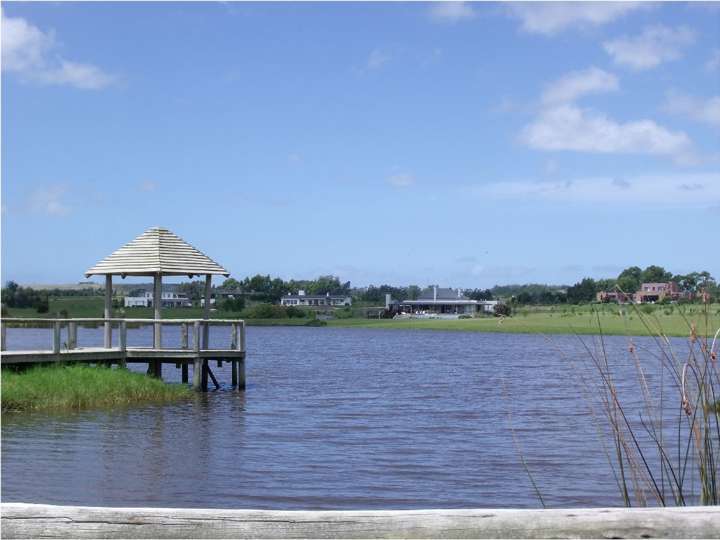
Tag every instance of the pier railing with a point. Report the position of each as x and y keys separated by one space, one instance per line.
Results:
x=197 y=328
x=195 y=347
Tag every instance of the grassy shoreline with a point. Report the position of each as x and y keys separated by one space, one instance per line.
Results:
x=76 y=387
x=586 y=323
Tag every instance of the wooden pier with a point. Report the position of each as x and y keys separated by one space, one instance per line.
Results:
x=193 y=347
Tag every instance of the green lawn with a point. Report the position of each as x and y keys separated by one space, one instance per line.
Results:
x=559 y=321
x=82 y=387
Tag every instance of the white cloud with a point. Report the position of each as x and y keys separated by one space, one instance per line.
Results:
x=674 y=190
x=451 y=11
x=713 y=64
x=699 y=109
x=579 y=83
x=569 y=127
x=30 y=53
x=401 y=180
x=148 y=186
x=377 y=59
x=549 y=18
x=49 y=201
x=655 y=45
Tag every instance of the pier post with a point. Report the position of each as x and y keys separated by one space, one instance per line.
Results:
x=3 y=335
x=108 y=310
x=72 y=335
x=156 y=365
x=184 y=345
x=241 y=374
x=123 y=344
x=197 y=370
x=234 y=372
x=56 y=338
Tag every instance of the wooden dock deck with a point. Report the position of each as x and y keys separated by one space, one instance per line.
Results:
x=195 y=351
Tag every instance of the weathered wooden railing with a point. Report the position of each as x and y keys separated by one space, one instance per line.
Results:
x=200 y=352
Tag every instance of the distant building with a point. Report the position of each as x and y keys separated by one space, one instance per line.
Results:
x=441 y=301
x=648 y=293
x=315 y=300
x=169 y=299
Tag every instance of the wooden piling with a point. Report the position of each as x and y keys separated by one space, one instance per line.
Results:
x=234 y=372
x=3 y=336
x=197 y=370
x=108 y=311
x=56 y=338
x=123 y=345
x=72 y=335
x=241 y=374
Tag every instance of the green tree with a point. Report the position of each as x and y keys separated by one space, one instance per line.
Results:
x=584 y=291
x=655 y=274
x=629 y=279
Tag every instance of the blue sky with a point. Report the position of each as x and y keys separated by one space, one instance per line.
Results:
x=462 y=144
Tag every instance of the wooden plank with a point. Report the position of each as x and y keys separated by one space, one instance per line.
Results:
x=20 y=520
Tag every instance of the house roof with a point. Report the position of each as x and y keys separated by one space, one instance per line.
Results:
x=442 y=294
x=157 y=250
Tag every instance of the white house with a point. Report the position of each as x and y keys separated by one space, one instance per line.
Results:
x=441 y=301
x=168 y=299
x=315 y=300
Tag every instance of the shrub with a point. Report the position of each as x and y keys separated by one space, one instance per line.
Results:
x=502 y=310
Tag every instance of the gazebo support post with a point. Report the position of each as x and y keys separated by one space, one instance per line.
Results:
x=156 y=366
x=108 y=310
x=206 y=330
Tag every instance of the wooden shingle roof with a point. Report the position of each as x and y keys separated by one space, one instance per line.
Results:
x=157 y=250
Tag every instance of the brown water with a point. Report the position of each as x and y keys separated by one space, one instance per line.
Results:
x=334 y=419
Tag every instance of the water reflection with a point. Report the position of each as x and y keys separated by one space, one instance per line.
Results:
x=334 y=418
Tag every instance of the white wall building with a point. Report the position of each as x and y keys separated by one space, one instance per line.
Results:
x=168 y=299
x=315 y=300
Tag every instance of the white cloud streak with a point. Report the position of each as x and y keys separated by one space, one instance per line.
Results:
x=569 y=127
x=705 y=110
x=451 y=12
x=31 y=54
x=654 y=46
x=377 y=59
x=49 y=201
x=401 y=180
x=549 y=18
x=674 y=190
x=579 y=83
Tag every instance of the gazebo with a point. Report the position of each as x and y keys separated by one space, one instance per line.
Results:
x=157 y=252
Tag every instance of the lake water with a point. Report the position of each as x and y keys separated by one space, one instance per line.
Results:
x=336 y=419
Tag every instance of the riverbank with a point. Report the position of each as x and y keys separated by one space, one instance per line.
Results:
x=82 y=387
x=21 y=520
x=610 y=322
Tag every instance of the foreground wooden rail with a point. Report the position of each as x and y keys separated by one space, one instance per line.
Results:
x=199 y=354
x=45 y=521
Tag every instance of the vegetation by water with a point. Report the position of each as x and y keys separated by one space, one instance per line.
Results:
x=617 y=320
x=81 y=387
x=648 y=467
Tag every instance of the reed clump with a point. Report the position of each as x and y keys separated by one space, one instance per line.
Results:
x=74 y=387
x=661 y=431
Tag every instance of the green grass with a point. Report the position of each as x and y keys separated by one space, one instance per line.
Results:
x=80 y=387
x=578 y=320
x=93 y=307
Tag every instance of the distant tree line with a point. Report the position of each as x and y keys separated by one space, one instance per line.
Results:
x=15 y=296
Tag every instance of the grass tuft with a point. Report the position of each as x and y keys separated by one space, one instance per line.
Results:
x=74 y=387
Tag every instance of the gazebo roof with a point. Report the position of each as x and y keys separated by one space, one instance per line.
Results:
x=155 y=251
